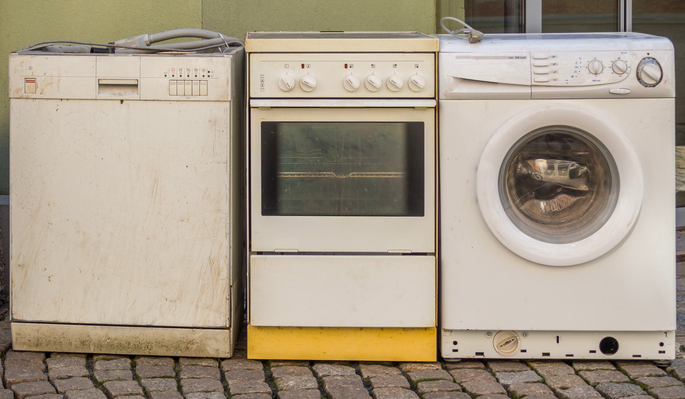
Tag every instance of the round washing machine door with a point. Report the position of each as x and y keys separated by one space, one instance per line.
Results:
x=559 y=185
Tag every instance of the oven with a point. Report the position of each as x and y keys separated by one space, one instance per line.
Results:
x=342 y=196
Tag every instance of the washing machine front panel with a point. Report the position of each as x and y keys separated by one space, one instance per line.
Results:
x=549 y=184
x=484 y=285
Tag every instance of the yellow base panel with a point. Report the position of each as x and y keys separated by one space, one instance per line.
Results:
x=330 y=343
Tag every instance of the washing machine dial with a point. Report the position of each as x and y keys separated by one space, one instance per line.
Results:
x=649 y=72
x=286 y=82
x=351 y=82
x=395 y=82
x=595 y=67
x=373 y=82
x=416 y=82
x=619 y=67
x=308 y=83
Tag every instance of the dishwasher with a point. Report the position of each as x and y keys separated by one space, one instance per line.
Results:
x=126 y=190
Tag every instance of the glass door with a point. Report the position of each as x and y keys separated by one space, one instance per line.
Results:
x=343 y=180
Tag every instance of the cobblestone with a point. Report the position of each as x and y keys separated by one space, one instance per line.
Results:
x=394 y=393
x=296 y=382
x=15 y=359
x=6 y=394
x=508 y=378
x=305 y=394
x=677 y=367
x=467 y=375
x=326 y=369
x=564 y=381
x=593 y=365
x=73 y=383
x=150 y=361
x=464 y=364
x=68 y=372
x=425 y=387
x=241 y=364
x=103 y=376
x=658 y=382
x=159 y=384
x=373 y=370
x=406 y=367
x=389 y=381
x=578 y=392
x=245 y=387
x=22 y=374
x=283 y=371
x=193 y=385
x=166 y=395
x=614 y=390
x=253 y=396
x=197 y=361
x=25 y=389
x=347 y=392
x=146 y=371
x=594 y=377
x=115 y=364
x=244 y=375
x=551 y=368
x=520 y=390
x=206 y=395
x=65 y=360
x=483 y=387
x=640 y=369
x=85 y=394
x=422 y=375
x=200 y=372
x=122 y=388
x=504 y=366
x=446 y=395
x=677 y=392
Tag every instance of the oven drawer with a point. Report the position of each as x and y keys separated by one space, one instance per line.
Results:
x=342 y=291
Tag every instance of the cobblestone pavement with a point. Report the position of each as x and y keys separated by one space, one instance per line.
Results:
x=27 y=375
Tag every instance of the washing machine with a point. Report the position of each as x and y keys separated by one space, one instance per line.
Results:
x=557 y=196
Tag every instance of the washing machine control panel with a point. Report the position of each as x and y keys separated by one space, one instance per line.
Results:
x=580 y=69
x=342 y=75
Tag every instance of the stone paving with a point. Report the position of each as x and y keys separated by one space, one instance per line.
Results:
x=27 y=375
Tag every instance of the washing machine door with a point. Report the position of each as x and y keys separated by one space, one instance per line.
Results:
x=559 y=185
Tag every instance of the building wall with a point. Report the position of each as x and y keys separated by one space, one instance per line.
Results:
x=26 y=22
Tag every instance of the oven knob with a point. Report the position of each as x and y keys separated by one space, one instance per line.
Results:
x=351 y=82
x=395 y=82
x=286 y=82
x=649 y=72
x=595 y=67
x=416 y=82
x=308 y=83
x=619 y=67
x=373 y=82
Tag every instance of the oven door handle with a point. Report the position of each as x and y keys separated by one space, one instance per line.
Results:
x=327 y=103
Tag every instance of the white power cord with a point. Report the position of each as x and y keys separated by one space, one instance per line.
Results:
x=466 y=33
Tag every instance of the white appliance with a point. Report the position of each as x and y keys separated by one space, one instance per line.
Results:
x=126 y=192
x=342 y=218
x=557 y=200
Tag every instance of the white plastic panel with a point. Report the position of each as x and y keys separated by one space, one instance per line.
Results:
x=329 y=71
x=120 y=212
x=342 y=234
x=598 y=295
x=566 y=345
x=342 y=291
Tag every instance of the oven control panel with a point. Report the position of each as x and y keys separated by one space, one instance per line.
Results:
x=342 y=75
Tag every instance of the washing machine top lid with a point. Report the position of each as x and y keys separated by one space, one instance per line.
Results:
x=541 y=42
x=336 y=42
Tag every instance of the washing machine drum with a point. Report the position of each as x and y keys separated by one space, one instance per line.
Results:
x=550 y=185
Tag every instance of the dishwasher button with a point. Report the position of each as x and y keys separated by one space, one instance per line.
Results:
x=203 y=87
x=196 y=87
x=172 y=88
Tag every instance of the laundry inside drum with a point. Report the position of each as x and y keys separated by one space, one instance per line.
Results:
x=559 y=184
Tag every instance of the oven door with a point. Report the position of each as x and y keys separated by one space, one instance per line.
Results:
x=342 y=179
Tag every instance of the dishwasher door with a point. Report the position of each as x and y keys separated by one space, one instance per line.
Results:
x=120 y=212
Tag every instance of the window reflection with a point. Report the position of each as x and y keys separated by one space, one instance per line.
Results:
x=579 y=16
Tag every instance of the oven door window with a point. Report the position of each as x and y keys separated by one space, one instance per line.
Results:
x=342 y=168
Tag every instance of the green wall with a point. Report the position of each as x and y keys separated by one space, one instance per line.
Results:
x=29 y=21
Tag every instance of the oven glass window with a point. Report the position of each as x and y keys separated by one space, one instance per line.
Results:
x=343 y=168
x=559 y=184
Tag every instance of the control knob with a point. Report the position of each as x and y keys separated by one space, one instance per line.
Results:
x=416 y=82
x=308 y=83
x=373 y=82
x=395 y=82
x=351 y=82
x=286 y=82
x=595 y=67
x=649 y=72
x=619 y=67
